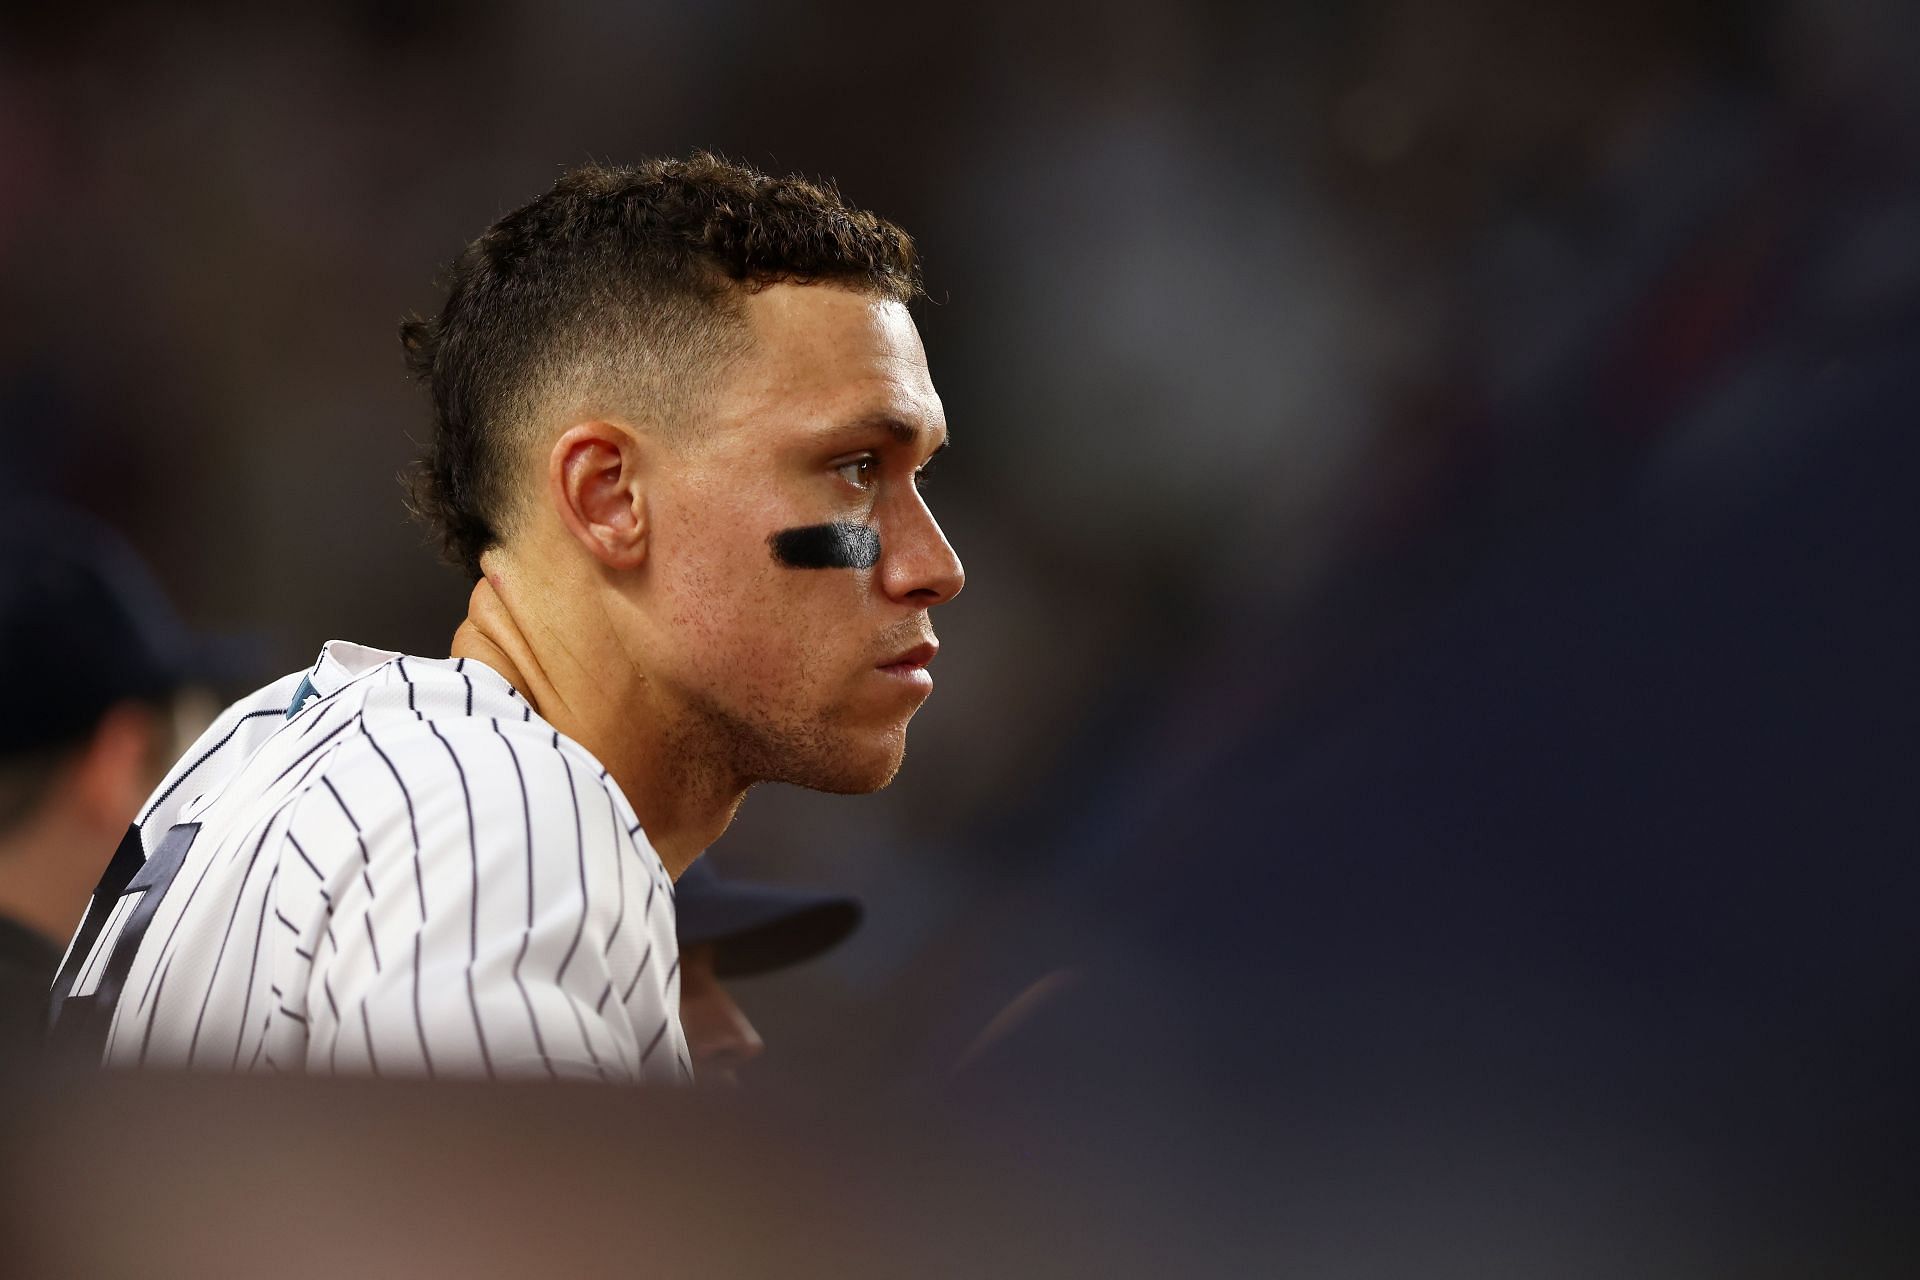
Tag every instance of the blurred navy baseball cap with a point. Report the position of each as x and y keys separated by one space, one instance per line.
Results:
x=757 y=927
x=83 y=626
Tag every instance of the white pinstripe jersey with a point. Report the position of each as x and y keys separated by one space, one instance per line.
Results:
x=411 y=873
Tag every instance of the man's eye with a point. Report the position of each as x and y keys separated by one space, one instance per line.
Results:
x=922 y=474
x=858 y=473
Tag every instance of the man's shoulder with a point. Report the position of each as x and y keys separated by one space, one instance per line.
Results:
x=394 y=746
x=403 y=705
x=221 y=750
x=490 y=738
x=508 y=772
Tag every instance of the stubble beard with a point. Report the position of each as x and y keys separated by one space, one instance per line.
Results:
x=760 y=744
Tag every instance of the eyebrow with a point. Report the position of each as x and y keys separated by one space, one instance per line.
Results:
x=902 y=432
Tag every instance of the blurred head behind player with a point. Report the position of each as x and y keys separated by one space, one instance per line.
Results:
x=735 y=929
x=106 y=690
x=681 y=421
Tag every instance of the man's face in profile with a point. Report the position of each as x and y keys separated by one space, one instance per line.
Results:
x=719 y=1036
x=790 y=549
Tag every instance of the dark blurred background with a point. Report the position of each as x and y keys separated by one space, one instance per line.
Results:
x=1433 y=705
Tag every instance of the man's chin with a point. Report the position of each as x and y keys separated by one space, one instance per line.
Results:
x=856 y=771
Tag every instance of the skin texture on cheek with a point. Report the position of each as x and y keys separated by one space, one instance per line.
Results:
x=826 y=546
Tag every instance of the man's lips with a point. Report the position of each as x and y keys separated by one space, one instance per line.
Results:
x=911 y=662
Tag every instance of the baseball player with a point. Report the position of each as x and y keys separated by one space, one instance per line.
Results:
x=681 y=416
x=734 y=929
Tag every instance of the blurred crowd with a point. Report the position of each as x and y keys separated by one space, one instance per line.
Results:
x=1434 y=692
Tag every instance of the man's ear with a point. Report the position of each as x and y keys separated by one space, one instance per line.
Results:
x=596 y=482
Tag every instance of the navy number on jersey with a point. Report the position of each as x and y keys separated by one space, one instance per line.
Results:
x=88 y=988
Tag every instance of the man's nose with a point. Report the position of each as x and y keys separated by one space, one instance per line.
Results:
x=725 y=1040
x=917 y=564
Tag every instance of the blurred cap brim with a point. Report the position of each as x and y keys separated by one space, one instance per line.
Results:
x=755 y=928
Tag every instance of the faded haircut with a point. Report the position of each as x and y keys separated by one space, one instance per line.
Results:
x=618 y=292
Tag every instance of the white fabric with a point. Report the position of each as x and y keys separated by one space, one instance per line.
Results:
x=413 y=875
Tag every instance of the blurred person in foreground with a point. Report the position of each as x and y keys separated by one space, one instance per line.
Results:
x=735 y=929
x=103 y=673
x=680 y=419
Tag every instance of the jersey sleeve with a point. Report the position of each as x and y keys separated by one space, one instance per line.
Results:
x=486 y=915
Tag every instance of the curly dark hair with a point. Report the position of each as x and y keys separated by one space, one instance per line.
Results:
x=617 y=291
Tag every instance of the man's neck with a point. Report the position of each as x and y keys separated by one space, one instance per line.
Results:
x=574 y=674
